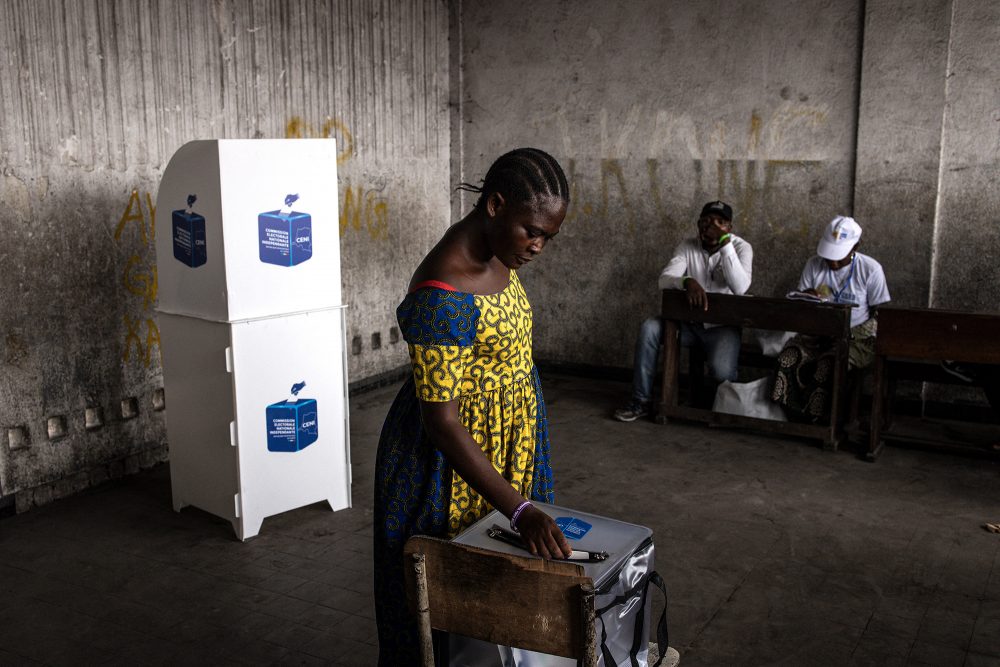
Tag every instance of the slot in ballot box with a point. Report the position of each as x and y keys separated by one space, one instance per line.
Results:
x=254 y=229
x=621 y=583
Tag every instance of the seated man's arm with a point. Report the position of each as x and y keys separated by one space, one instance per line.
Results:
x=807 y=281
x=673 y=274
x=877 y=289
x=737 y=266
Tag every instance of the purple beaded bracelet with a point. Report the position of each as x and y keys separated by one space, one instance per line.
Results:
x=517 y=512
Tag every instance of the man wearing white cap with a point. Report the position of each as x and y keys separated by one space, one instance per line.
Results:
x=839 y=274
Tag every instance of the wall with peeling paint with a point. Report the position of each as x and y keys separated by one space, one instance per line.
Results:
x=95 y=98
x=791 y=110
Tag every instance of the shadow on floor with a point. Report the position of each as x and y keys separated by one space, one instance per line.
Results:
x=774 y=551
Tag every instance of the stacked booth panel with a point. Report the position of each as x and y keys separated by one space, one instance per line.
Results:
x=252 y=329
x=262 y=235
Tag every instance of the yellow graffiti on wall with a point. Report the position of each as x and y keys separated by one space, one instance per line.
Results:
x=139 y=278
x=296 y=128
x=145 y=352
x=361 y=209
x=133 y=213
x=141 y=281
x=616 y=193
x=364 y=209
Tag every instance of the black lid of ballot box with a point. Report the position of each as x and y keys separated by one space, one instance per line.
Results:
x=618 y=538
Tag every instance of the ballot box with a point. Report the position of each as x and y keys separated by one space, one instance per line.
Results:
x=622 y=583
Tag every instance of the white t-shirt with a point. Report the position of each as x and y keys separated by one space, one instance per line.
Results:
x=862 y=282
x=728 y=271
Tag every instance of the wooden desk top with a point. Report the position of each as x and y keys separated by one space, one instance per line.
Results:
x=931 y=333
x=761 y=312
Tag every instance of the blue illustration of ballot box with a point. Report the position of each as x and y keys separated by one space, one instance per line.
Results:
x=292 y=426
x=189 y=238
x=285 y=239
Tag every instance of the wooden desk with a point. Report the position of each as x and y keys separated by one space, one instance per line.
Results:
x=755 y=312
x=924 y=334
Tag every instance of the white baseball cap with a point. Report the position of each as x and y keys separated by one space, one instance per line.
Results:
x=838 y=238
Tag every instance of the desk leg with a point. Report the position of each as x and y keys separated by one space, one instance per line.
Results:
x=878 y=407
x=671 y=363
x=832 y=441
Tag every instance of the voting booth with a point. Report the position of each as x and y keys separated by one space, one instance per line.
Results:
x=624 y=577
x=252 y=328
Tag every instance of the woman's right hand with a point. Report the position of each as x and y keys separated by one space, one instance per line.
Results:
x=541 y=534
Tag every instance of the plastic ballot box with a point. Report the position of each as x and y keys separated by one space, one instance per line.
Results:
x=257 y=426
x=254 y=229
x=621 y=582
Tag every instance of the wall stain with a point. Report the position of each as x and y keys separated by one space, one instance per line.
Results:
x=15 y=349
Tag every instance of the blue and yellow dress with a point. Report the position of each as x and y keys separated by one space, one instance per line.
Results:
x=476 y=350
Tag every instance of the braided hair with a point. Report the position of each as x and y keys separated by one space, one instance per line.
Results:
x=523 y=175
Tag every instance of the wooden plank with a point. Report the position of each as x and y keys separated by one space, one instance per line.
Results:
x=756 y=312
x=501 y=598
x=879 y=405
x=922 y=333
x=945 y=435
x=671 y=369
x=819 y=431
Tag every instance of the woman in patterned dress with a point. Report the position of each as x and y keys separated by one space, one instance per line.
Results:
x=467 y=432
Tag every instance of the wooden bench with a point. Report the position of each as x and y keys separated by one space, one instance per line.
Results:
x=754 y=312
x=911 y=343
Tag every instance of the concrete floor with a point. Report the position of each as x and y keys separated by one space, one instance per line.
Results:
x=775 y=553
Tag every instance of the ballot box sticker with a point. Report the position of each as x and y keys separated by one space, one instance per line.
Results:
x=572 y=527
x=189 y=235
x=285 y=236
x=292 y=424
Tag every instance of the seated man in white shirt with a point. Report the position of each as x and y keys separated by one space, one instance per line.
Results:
x=716 y=261
x=841 y=274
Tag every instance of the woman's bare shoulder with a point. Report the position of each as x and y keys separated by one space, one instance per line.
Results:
x=441 y=264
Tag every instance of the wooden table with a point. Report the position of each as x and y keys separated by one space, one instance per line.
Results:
x=754 y=312
x=923 y=334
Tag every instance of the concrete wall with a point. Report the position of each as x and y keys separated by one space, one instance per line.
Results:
x=95 y=97
x=655 y=108
x=965 y=272
x=793 y=111
x=899 y=138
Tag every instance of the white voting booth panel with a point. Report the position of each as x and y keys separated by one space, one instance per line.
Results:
x=249 y=228
x=257 y=419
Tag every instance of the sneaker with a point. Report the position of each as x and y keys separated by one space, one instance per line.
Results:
x=963 y=373
x=632 y=412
